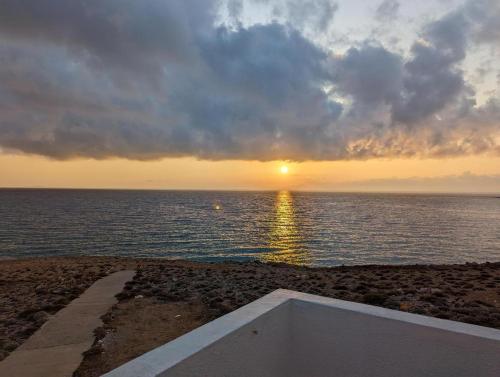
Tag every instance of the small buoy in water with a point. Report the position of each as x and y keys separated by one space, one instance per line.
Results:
x=217 y=207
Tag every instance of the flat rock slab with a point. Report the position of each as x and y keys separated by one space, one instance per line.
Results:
x=55 y=350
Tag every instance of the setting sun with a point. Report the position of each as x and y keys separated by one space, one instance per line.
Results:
x=284 y=169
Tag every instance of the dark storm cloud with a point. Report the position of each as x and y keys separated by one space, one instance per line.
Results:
x=431 y=80
x=432 y=77
x=145 y=80
x=250 y=93
x=370 y=74
x=117 y=34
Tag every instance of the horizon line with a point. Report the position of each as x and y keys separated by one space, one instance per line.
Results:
x=482 y=193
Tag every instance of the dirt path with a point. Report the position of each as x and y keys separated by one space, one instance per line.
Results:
x=56 y=348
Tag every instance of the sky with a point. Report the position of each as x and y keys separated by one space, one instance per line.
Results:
x=379 y=95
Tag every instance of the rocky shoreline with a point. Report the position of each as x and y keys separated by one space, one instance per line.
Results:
x=168 y=298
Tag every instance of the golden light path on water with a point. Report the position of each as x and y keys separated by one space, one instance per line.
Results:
x=285 y=238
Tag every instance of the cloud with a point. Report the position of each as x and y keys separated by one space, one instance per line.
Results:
x=466 y=182
x=317 y=14
x=387 y=10
x=240 y=103
x=432 y=78
x=370 y=74
x=308 y=16
x=234 y=9
x=484 y=15
x=145 y=80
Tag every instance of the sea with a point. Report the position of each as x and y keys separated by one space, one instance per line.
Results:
x=313 y=229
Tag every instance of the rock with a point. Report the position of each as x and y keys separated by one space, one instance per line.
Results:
x=40 y=317
x=96 y=349
x=40 y=289
x=10 y=346
x=374 y=298
x=100 y=333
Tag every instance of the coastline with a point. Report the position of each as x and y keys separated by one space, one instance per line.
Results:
x=170 y=297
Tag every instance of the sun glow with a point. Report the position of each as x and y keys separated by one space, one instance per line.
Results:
x=284 y=169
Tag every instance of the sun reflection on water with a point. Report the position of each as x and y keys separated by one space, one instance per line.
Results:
x=285 y=240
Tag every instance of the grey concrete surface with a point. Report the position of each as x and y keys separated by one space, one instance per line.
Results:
x=288 y=333
x=55 y=350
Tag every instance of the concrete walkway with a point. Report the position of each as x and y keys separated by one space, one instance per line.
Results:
x=55 y=350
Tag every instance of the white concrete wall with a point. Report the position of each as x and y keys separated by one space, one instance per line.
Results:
x=293 y=334
x=337 y=342
x=264 y=354
x=260 y=348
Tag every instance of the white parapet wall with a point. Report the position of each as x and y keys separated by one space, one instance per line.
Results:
x=294 y=334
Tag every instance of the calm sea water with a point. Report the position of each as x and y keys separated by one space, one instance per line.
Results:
x=303 y=228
